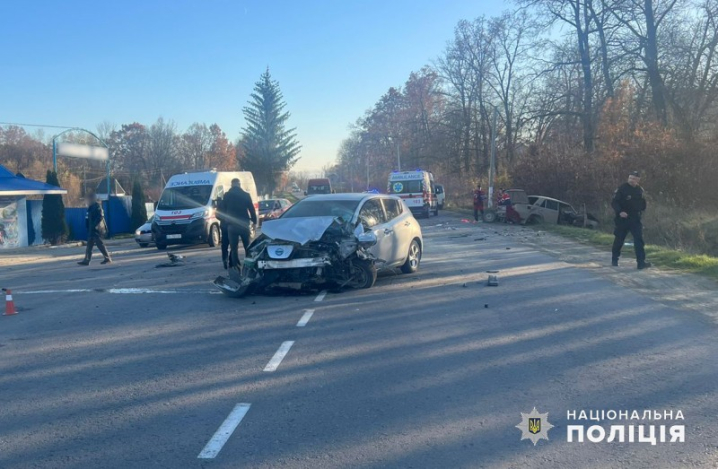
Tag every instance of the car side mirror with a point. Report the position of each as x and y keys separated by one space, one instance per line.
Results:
x=305 y=192
x=367 y=239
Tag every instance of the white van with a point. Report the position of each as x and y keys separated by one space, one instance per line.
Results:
x=417 y=189
x=185 y=213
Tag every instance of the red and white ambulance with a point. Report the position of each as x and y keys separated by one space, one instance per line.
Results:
x=417 y=189
x=186 y=211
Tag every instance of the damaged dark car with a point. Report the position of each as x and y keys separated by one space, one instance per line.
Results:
x=331 y=242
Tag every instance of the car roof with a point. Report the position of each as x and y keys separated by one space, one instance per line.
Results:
x=341 y=196
x=549 y=198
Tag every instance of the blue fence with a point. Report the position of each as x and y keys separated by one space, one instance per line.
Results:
x=117 y=216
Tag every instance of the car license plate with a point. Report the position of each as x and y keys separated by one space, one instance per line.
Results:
x=174 y=236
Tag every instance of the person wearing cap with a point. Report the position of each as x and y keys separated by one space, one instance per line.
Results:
x=629 y=204
x=238 y=210
x=96 y=230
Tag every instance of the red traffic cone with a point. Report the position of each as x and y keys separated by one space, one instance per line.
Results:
x=9 y=303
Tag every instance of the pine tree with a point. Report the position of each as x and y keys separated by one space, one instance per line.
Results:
x=54 y=227
x=269 y=148
x=139 y=211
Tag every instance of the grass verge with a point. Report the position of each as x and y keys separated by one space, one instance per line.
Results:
x=700 y=264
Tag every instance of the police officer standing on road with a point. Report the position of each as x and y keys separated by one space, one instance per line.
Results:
x=238 y=210
x=224 y=231
x=96 y=230
x=629 y=204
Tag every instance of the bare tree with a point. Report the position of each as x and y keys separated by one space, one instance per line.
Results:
x=643 y=20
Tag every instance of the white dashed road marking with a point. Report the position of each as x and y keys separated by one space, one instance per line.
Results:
x=305 y=318
x=220 y=437
x=279 y=356
x=321 y=296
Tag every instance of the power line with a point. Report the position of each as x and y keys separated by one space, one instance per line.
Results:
x=39 y=125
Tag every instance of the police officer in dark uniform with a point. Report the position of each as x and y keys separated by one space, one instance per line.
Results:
x=224 y=230
x=96 y=230
x=238 y=210
x=629 y=204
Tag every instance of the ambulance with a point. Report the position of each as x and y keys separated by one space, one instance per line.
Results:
x=417 y=189
x=186 y=211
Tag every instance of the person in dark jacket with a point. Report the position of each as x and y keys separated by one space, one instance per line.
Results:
x=629 y=204
x=224 y=229
x=238 y=210
x=478 y=203
x=96 y=230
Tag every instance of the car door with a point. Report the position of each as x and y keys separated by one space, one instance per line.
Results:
x=373 y=218
x=399 y=225
x=550 y=211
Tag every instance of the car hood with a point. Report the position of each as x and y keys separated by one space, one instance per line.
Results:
x=297 y=230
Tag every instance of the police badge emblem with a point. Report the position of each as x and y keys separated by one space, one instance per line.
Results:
x=534 y=426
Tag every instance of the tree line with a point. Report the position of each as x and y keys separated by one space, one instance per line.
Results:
x=150 y=154
x=582 y=90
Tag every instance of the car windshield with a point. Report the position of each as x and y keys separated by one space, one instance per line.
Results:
x=405 y=187
x=183 y=198
x=267 y=204
x=322 y=208
x=318 y=189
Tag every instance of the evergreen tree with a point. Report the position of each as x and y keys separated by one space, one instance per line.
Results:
x=54 y=227
x=139 y=211
x=269 y=147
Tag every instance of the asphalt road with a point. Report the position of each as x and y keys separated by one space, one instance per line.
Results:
x=131 y=365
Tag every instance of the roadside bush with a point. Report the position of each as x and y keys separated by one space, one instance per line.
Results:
x=54 y=226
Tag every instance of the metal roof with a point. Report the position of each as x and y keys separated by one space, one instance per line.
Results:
x=12 y=185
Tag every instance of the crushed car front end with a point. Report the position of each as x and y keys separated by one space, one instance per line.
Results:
x=302 y=254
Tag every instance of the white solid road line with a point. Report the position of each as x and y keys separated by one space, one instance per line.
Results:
x=321 y=295
x=126 y=291
x=279 y=356
x=220 y=437
x=305 y=318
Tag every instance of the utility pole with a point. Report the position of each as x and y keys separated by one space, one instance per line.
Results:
x=398 y=156
x=367 y=174
x=492 y=163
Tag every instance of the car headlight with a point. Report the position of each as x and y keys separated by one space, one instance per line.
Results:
x=204 y=214
x=137 y=233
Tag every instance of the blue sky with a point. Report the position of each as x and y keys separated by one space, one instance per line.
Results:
x=78 y=63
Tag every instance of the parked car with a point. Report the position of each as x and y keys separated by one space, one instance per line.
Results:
x=440 y=195
x=272 y=208
x=330 y=241
x=143 y=234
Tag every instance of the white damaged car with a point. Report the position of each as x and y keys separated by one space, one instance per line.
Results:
x=330 y=241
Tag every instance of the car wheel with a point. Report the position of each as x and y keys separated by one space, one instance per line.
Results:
x=413 y=258
x=161 y=247
x=363 y=274
x=214 y=239
x=489 y=216
x=144 y=245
